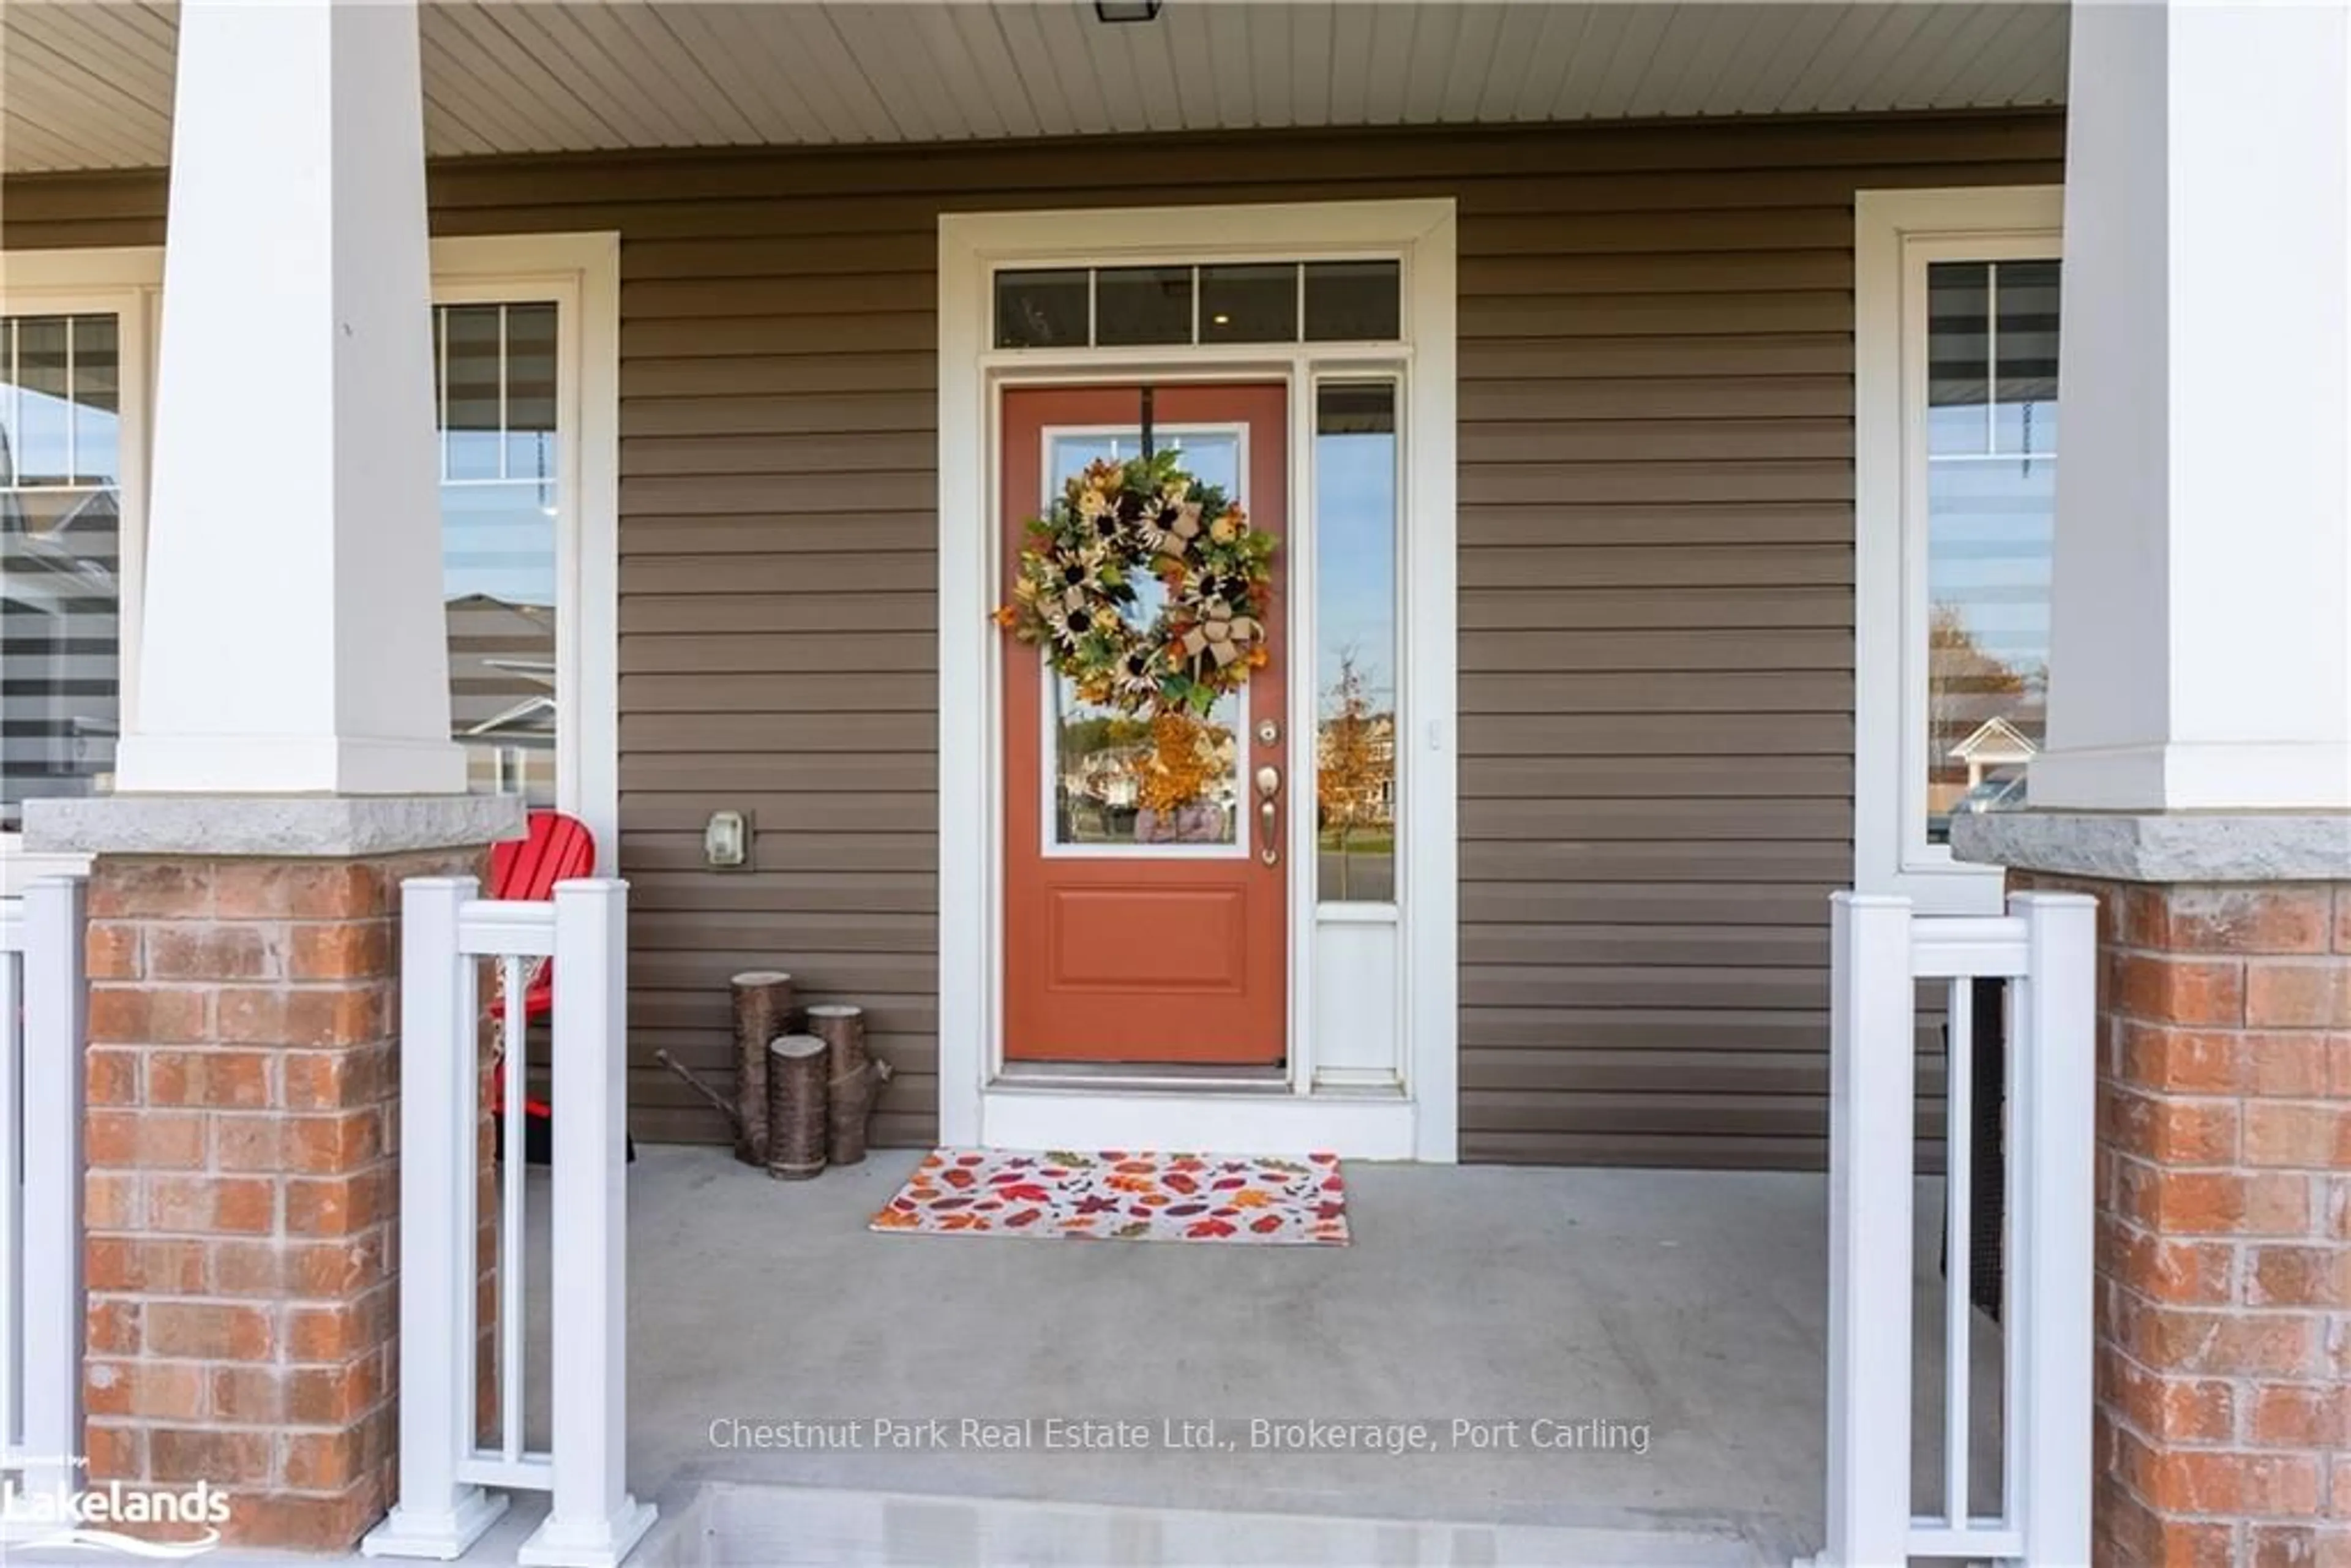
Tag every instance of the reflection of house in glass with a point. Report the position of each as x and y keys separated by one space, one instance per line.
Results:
x=1102 y=763
x=502 y=704
x=1099 y=790
x=60 y=530
x=1996 y=746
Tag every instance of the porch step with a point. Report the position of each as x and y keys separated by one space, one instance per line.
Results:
x=732 y=1525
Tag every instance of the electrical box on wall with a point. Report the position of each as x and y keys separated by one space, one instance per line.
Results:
x=726 y=841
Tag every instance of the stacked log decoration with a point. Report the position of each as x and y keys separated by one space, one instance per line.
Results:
x=763 y=1010
x=796 y=1116
x=853 y=1079
x=801 y=1101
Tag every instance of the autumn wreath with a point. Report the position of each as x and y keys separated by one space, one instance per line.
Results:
x=1118 y=524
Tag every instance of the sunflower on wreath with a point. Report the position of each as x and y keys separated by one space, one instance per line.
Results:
x=1074 y=595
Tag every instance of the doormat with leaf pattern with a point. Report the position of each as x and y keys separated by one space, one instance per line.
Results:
x=1120 y=1196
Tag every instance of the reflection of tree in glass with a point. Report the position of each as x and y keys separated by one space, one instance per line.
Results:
x=1357 y=758
x=1102 y=731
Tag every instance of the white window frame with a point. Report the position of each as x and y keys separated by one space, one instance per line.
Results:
x=126 y=283
x=1897 y=235
x=581 y=273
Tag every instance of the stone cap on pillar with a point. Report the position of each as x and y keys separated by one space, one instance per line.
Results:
x=270 y=827
x=2161 y=846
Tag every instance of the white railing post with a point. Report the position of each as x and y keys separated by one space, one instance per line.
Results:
x=2052 y=1116
x=594 y=1521
x=1872 y=1064
x=55 y=1006
x=12 y=1193
x=436 y=1516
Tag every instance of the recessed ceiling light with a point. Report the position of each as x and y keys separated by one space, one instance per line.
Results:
x=1126 y=10
x=1221 y=319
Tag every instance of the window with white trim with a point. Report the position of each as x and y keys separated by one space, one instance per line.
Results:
x=1956 y=430
x=60 y=554
x=70 y=442
x=76 y=388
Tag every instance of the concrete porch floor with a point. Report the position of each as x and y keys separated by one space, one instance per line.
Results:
x=1692 y=1302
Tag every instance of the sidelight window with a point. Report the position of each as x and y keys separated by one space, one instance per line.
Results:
x=1355 y=515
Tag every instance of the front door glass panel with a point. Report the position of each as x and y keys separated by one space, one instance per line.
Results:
x=1100 y=757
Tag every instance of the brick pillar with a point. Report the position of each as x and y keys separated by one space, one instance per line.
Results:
x=2223 y=1327
x=242 y=1185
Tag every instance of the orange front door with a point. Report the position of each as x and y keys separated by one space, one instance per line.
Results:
x=1132 y=935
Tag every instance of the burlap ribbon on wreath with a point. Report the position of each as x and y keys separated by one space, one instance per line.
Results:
x=1221 y=634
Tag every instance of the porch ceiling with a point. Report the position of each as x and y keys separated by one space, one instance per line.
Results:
x=89 y=86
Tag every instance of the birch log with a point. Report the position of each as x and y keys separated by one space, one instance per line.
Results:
x=854 y=1078
x=796 y=1107
x=763 y=1009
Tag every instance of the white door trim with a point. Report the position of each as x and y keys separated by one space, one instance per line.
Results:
x=1416 y=1116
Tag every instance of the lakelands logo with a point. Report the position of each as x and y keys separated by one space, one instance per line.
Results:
x=87 y=1515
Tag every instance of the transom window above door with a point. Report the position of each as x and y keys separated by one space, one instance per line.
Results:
x=1230 y=302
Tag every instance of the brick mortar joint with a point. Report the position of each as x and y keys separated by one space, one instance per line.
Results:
x=270 y=1302
x=175 y=984
x=211 y=1425
x=2232 y=1308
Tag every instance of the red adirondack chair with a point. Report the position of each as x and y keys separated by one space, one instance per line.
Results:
x=558 y=848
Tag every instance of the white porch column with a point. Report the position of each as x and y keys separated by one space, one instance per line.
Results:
x=2201 y=624
x=293 y=639
x=2198 y=776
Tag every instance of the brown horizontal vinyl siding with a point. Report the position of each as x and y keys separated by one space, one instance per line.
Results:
x=1655 y=514
x=779 y=621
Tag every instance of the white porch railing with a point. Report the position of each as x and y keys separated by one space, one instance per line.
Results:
x=42 y=1008
x=593 y=1521
x=2046 y=947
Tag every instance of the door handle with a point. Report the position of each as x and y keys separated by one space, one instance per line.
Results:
x=1269 y=786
